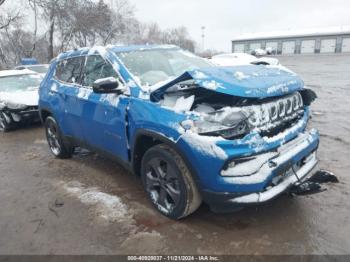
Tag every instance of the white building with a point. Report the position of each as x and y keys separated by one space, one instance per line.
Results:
x=307 y=41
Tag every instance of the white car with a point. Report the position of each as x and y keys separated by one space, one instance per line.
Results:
x=235 y=59
x=40 y=69
x=18 y=98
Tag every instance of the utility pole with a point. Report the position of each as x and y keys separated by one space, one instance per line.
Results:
x=203 y=38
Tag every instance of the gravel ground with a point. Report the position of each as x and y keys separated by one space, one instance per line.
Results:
x=91 y=205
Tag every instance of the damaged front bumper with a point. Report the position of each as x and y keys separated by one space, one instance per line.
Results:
x=289 y=165
x=25 y=115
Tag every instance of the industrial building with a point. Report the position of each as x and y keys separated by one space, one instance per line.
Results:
x=307 y=41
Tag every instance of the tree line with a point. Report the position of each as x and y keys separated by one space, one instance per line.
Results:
x=60 y=25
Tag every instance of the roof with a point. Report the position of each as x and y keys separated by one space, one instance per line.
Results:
x=113 y=48
x=294 y=33
x=4 y=73
x=131 y=48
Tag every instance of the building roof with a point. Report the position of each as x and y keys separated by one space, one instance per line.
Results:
x=294 y=33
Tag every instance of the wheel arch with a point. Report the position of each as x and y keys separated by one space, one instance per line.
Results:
x=145 y=139
x=44 y=113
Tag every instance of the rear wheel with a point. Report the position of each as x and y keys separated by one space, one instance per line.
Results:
x=55 y=140
x=4 y=122
x=169 y=183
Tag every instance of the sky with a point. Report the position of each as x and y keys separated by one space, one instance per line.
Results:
x=226 y=19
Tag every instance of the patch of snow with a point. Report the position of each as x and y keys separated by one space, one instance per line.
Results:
x=205 y=145
x=199 y=75
x=177 y=102
x=106 y=80
x=84 y=93
x=204 y=108
x=240 y=76
x=54 y=87
x=112 y=99
x=184 y=104
x=98 y=49
x=108 y=207
x=284 y=87
x=213 y=85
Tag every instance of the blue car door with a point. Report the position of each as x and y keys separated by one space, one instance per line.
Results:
x=67 y=78
x=103 y=118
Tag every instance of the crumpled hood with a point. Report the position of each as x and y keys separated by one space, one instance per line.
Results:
x=251 y=81
x=16 y=100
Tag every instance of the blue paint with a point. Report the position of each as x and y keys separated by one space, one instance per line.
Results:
x=113 y=127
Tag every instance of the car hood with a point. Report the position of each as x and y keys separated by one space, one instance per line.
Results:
x=250 y=81
x=17 y=100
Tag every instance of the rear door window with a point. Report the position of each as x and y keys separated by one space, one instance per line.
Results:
x=69 y=70
x=96 y=68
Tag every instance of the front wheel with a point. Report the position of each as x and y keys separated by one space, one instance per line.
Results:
x=169 y=183
x=5 y=122
x=55 y=140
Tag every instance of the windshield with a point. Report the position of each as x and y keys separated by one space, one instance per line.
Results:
x=154 y=66
x=20 y=83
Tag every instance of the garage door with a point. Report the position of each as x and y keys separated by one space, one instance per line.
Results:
x=254 y=46
x=308 y=47
x=328 y=46
x=238 y=48
x=346 y=45
x=272 y=45
x=288 y=47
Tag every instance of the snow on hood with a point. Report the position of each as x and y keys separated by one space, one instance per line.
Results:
x=16 y=100
x=249 y=81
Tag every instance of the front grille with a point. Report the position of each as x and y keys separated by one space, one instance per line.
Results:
x=275 y=116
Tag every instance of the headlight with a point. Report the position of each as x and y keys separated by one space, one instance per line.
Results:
x=225 y=123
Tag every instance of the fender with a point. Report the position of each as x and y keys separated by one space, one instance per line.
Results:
x=165 y=140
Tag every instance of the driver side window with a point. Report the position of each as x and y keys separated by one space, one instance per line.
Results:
x=96 y=68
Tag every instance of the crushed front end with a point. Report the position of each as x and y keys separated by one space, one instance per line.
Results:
x=247 y=145
x=16 y=115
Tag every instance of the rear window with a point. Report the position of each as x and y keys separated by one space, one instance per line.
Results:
x=69 y=70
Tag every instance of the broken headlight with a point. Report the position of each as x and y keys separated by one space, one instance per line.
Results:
x=225 y=123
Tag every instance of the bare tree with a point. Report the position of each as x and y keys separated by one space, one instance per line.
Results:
x=8 y=19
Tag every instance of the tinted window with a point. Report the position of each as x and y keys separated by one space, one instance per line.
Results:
x=69 y=70
x=96 y=68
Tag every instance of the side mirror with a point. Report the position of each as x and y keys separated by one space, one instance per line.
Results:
x=106 y=86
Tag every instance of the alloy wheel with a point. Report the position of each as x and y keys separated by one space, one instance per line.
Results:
x=162 y=183
x=52 y=138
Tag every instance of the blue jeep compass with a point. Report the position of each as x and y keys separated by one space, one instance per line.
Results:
x=227 y=136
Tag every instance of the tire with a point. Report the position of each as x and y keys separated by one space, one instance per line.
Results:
x=169 y=183
x=5 y=126
x=54 y=137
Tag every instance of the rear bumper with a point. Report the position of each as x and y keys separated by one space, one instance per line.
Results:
x=293 y=163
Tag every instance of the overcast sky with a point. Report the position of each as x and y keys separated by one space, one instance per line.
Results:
x=225 y=19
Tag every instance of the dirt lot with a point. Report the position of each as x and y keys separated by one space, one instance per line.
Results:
x=90 y=205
